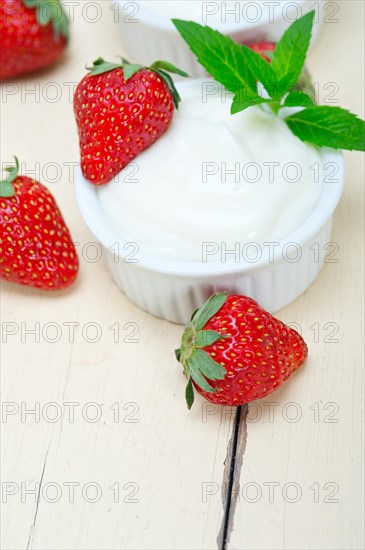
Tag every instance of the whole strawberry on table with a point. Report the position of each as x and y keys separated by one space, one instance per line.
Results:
x=234 y=352
x=33 y=35
x=120 y=110
x=36 y=248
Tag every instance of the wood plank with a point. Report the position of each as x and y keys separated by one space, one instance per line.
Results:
x=169 y=453
x=144 y=441
x=322 y=452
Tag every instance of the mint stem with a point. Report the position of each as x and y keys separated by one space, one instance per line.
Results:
x=275 y=106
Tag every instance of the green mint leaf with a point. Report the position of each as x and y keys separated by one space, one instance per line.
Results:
x=210 y=368
x=242 y=101
x=189 y=394
x=291 y=50
x=329 y=127
x=262 y=71
x=205 y=338
x=222 y=58
x=298 y=99
x=305 y=85
x=269 y=54
x=210 y=308
x=166 y=66
x=287 y=83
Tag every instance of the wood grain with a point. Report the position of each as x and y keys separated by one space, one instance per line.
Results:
x=130 y=429
x=313 y=438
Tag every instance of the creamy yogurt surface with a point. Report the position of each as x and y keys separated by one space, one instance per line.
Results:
x=216 y=178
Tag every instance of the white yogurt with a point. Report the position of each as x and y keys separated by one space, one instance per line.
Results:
x=214 y=177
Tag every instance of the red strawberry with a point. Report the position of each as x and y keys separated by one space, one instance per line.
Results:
x=233 y=351
x=120 y=110
x=33 y=34
x=36 y=247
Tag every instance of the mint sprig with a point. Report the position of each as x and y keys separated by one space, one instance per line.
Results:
x=291 y=50
x=220 y=55
x=329 y=127
x=244 y=72
x=100 y=66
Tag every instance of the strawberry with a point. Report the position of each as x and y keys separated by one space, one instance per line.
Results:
x=36 y=247
x=33 y=35
x=233 y=351
x=120 y=110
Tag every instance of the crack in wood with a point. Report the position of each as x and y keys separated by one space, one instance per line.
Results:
x=32 y=527
x=231 y=475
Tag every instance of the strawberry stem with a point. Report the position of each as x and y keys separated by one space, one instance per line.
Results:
x=162 y=68
x=6 y=186
x=198 y=365
x=50 y=11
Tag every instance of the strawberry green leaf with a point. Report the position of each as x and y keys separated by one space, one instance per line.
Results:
x=298 y=99
x=240 y=102
x=166 y=66
x=6 y=189
x=210 y=368
x=210 y=308
x=329 y=127
x=163 y=68
x=101 y=66
x=189 y=394
x=291 y=50
x=50 y=11
x=220 y=55
x=205 y=338
x=197 y=376
x=6 y=186
x=129 y=70
x=170 y=84
x=194 y=313
x=178 y=354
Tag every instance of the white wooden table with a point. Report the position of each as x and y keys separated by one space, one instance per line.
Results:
x=110 y=457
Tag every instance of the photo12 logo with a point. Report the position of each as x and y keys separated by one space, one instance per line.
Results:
x=274 y=492
x=267 y=12
x=53 y=492
x=253 y=252
x=71 y=412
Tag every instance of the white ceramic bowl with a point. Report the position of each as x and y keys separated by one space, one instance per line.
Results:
x=149 y=36
x=173 y=289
